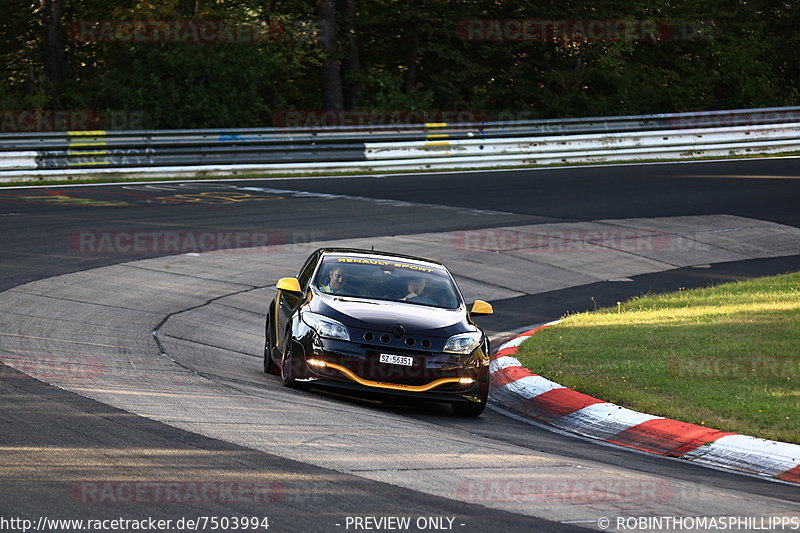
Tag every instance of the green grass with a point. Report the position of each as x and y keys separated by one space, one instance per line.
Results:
x=144 y=178
x=727 y=357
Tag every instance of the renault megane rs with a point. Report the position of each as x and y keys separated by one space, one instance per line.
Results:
x=381 y=323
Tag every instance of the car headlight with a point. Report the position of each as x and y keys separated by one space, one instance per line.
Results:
x=326 y=327
x=463 y=343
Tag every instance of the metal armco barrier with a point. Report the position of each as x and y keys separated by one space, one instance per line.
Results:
x=187 y=153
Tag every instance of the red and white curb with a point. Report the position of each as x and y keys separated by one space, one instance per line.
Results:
x=521 y=391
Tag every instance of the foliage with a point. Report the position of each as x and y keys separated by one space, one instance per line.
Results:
x=402 y=56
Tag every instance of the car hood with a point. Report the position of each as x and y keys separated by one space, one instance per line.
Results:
x=383 y=315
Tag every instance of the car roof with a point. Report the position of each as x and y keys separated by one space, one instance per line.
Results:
x=357 y=252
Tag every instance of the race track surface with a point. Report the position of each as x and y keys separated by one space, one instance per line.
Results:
x=201 y=414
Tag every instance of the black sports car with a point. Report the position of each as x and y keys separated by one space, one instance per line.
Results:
x=384 y=323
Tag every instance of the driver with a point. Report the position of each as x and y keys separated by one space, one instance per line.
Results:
x=414 y=288
x=335 y=281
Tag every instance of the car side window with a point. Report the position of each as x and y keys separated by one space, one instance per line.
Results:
x=307 y=271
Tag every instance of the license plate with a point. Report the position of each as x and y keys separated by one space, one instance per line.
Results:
x=396 y=359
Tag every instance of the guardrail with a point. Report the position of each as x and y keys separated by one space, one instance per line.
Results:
x=185 y=153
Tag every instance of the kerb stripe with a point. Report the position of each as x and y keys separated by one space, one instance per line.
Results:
x=667 y=437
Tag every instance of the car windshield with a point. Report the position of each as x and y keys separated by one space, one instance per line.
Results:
x=387 y=279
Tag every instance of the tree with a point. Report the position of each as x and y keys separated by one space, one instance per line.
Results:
x=53 y=43
x=331 y=75
x=395 y=55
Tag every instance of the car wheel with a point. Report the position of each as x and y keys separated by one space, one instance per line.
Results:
x=269 y=365
x=468 y=409
x=287 y=368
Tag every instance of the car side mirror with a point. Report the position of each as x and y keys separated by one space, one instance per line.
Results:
x=289 y=285
x=481 y=308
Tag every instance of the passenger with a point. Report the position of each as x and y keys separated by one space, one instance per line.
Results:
x=335 y=281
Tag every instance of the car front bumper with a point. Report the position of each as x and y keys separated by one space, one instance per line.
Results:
x=356 y=367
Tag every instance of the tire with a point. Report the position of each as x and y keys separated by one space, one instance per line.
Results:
x=269 y=364
x=471 y=409
x=287 y=368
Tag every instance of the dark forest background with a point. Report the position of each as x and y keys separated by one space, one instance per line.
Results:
x=393 y=56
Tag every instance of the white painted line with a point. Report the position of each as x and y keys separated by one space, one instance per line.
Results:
x=531 y=386
x=743 y=451
x=503 y=362
x=514 y=342
x=602 y=420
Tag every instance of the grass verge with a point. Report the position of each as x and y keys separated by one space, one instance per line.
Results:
x=726 y=357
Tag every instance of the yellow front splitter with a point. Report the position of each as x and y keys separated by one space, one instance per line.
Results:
x=382 y=385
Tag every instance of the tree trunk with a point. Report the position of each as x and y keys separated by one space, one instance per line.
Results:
x=331 y=68
x=413 y=52
x=53 y=45
x=353 y=66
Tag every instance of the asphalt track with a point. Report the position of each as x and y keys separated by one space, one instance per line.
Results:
x=42 y=238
